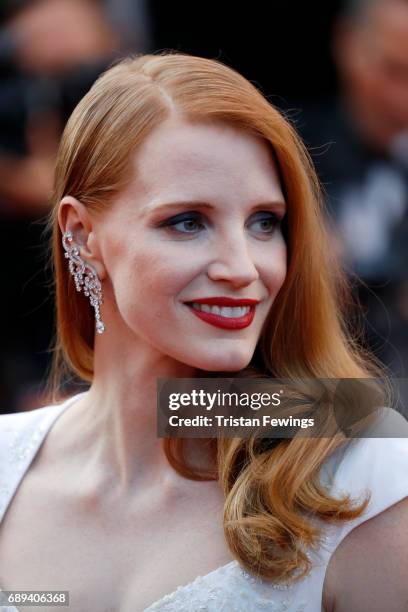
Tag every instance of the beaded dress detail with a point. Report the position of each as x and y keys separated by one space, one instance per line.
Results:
x=378 y=465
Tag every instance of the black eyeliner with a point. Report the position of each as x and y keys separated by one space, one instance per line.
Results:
x=186 y=216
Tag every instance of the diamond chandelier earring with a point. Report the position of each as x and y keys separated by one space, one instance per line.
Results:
x=85 y=276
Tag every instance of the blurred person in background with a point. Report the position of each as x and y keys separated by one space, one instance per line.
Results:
x=177 y=182
x=360 y=147
x=51 y=52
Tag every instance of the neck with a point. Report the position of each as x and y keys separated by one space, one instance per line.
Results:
x=117 y=416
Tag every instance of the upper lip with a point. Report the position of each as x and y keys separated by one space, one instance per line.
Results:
x=225 y=301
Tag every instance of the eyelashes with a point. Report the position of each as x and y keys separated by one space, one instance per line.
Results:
x=187 y=219
x=194 y=222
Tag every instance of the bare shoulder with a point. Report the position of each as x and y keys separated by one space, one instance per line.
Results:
x=369 y=569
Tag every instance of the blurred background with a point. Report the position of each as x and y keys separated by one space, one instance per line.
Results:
x=340 y=74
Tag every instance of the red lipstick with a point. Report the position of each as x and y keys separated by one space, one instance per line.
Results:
x=224 y=322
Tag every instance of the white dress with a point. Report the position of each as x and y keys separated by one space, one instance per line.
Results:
x=377 y=464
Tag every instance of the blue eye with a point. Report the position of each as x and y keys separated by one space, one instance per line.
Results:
x=267 y=222
x=192 y=223
x=186 y=223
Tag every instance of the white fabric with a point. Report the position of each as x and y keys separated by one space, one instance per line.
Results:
x=376 y=464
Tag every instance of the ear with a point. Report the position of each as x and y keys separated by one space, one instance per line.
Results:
x=73 y=216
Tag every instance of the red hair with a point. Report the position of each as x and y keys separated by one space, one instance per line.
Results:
x=269 y=493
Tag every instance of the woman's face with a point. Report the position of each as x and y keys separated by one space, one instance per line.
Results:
x=200 y=220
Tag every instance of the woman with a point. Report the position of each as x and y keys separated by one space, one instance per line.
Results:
x=178 y=184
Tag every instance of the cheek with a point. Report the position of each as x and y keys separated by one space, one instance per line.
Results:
x=365 y=85
x=275 y=268
x=148 y=283
x=375 y=93
x=149 y=280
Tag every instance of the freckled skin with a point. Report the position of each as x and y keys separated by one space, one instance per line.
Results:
x=151 y=270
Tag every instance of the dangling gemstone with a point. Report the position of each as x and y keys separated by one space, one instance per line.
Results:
x=100 y=327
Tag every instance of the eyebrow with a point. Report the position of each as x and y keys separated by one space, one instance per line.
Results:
x=276 y=204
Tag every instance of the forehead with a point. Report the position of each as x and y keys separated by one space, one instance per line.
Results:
x=388 y=23
x=204 y=157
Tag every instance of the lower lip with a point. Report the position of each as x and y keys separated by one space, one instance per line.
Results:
x=225 y=322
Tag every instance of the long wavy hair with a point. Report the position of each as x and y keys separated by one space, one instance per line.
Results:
x=273 y=492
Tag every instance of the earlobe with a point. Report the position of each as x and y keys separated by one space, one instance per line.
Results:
x=85 y=277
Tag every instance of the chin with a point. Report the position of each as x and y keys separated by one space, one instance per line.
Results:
x=228 y=361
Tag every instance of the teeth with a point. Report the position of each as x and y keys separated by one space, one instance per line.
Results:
x=224 y=311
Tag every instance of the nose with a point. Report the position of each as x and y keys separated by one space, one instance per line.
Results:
x=233 y=263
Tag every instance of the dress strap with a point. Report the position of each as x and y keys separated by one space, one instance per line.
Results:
x=21 y=435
